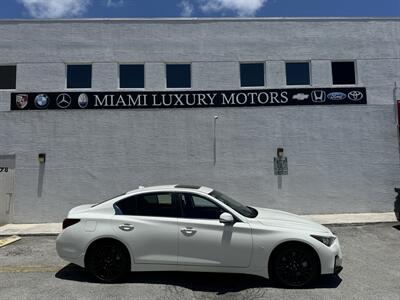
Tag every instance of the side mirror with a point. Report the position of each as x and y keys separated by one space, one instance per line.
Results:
x=226 y=218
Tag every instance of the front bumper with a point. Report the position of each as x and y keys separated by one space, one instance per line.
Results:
x=338 y=265
x=331 y=258
x=338 y=270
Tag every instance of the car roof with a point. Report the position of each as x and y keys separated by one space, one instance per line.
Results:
x=158 y=188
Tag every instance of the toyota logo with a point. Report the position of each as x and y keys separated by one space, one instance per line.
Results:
x=355 y=95
x=63 y=101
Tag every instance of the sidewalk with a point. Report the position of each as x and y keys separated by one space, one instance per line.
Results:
x=331 y=219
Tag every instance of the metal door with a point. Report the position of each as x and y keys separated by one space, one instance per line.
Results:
x=7 y=173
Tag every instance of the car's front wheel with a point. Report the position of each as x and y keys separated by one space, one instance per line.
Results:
x=294 y=265
x=108 y=261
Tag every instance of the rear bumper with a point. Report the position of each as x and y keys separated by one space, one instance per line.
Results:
x=69 y=248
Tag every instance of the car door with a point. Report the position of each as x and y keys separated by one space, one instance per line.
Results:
x=148 y=223
x=204 y=241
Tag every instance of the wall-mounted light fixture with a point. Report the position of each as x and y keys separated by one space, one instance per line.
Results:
x=279 y=152
x=42 y=158
x=280 y=163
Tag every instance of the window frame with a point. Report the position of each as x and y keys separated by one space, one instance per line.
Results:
x=309 y=73
x=79 y=64
x=173 y=198
x=181 y=212
x=264 y=75
x=131 y=64
x=166 y=76
x=16 y=76
x=354 y=61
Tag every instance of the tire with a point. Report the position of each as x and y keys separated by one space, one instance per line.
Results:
x=108 y=261
x=294 y=265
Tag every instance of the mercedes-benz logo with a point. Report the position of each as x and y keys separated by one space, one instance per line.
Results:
x=63 y=101
x=355 y=95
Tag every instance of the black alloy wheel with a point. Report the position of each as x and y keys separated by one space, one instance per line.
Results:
x=295 y=266
x=108 y=262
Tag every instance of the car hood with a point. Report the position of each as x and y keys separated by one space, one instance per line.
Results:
x=278 y=218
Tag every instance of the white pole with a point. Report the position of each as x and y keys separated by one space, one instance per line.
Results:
x=215 y=139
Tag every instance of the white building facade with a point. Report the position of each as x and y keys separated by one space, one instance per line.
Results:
x=92 y=108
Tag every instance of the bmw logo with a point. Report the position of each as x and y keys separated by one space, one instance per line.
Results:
x=42 y=101
x=83 y=100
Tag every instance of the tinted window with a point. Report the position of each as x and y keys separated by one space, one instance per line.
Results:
x=153 y=204
x=131 y=76
x=252 y=74
x=298 y=73
x=178 y=76
x=343 y=72
x=237 y=206
x=196 y=207
x=79 y=76
x=8 y=77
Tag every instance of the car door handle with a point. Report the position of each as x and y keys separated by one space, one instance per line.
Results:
x=188 y=230
x=126 y=227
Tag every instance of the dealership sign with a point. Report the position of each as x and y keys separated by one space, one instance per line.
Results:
x=187 y=99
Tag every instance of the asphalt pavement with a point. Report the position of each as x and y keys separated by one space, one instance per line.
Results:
x=31 y=269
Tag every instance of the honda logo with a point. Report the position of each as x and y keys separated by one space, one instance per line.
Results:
x=318 y=96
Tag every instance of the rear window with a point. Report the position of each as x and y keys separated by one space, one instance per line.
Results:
x=152 y=205
x=94 y=205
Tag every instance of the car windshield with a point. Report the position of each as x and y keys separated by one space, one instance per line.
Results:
x=246 y=211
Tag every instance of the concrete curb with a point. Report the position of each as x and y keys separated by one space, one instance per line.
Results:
x=31 y=229
x=353 y=219
x=52 y=229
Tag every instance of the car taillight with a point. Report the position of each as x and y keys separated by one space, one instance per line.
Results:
x=69 y=222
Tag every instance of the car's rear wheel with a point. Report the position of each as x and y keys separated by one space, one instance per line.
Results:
x=294 y=265
x=108 y=261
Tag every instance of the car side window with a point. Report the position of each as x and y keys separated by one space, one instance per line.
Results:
x=126 y=206
x=197 y=207
x=151 y=204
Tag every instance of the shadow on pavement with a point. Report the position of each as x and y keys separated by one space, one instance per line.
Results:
x=396 y=227
x=219 y=283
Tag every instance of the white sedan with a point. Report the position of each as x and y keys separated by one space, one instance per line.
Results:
x=195 y=228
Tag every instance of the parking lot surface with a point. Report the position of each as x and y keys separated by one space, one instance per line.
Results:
x=31 y=269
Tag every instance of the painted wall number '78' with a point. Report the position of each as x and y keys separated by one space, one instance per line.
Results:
x=5 y=170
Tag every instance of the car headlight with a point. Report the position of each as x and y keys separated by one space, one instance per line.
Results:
x=326 y=240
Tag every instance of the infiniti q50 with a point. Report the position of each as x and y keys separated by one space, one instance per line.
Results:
x=195 y=228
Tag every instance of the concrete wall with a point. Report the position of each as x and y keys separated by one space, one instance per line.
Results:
x=341 y=158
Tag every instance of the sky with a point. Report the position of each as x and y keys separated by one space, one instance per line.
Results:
x=11 y=9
